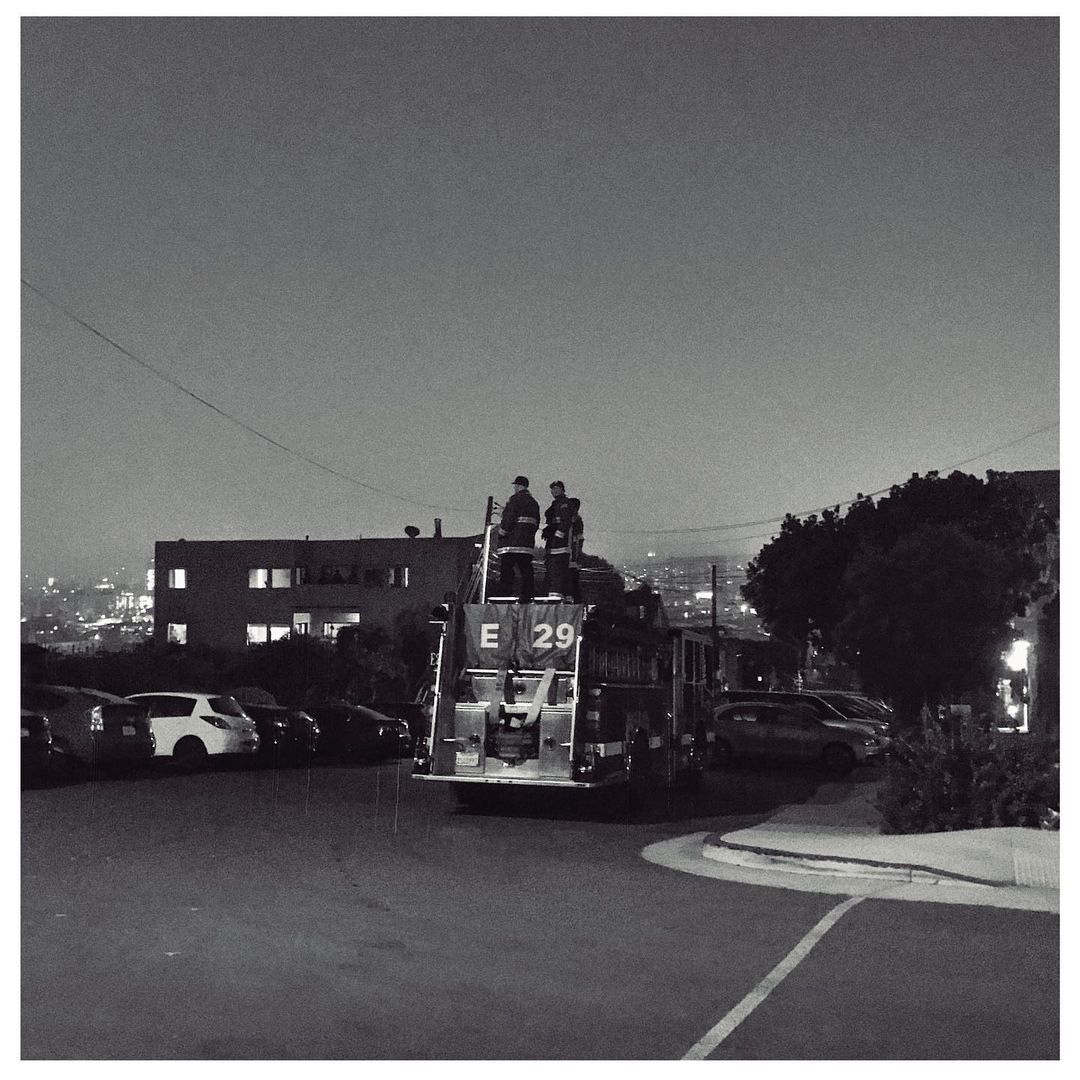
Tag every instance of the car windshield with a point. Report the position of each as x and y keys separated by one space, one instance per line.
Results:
x=374 y=716
x=854 y=707
x=226 y=706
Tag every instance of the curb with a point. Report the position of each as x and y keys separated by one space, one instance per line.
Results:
x=721 y=850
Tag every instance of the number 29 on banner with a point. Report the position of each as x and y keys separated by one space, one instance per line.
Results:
x=545 y=636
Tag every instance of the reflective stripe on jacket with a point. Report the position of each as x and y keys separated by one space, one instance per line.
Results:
x=518 y=525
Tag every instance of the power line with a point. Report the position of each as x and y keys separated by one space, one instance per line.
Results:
x=234 y=419
x=815 y=510
x=681 y=531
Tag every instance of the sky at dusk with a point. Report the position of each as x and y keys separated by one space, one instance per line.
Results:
x=705 y=270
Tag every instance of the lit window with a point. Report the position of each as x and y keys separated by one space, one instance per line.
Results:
x=280 y=577
x=277 y=632
x=345 y=618
x=178 y=633
x=300 y=575
x=257 y=633
x=399 y=577
x=259 y=579
x=302 y=622
x=178 y=578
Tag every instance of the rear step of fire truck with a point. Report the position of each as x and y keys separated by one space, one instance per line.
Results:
x=511 y=727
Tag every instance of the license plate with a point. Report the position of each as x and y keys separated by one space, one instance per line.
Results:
x=465 y=758
x=129 y=729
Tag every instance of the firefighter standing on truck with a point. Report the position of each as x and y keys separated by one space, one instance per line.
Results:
x=577 y=543
x=556 y=536
x=517 y=536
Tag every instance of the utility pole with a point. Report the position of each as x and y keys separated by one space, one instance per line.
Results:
x=715 y=636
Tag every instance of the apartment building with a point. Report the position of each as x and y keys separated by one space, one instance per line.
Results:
x=234 y=593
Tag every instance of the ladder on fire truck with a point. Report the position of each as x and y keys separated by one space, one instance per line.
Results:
x=474 y=589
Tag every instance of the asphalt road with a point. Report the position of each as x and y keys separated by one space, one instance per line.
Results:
x=353 y=913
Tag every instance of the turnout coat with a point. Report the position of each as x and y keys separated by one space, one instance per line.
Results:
x=518 y=525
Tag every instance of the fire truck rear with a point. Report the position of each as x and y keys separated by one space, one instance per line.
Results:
x=561 y=695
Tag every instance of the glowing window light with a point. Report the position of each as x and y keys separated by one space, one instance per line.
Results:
x=1016 y=659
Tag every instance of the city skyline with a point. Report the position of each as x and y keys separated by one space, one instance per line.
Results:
x=334 y=277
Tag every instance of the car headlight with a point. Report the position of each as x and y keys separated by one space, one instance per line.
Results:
x=869 y=742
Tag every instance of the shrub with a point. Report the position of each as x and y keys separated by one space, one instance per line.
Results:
x=938 y=783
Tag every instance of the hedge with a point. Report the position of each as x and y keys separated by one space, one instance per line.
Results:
x=937 y=783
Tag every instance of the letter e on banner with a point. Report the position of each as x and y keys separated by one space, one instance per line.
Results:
x=489 y=635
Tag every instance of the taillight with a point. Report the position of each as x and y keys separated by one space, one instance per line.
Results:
x=584 y=767
x=421 y=758
x=97 y=721
x=217 y=721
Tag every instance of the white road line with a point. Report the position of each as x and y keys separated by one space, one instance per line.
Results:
x=714 y=1037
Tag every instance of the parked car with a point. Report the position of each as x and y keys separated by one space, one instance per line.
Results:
x=36 y=757
x=357 y=732
x=824 y=710
x=191 y=726
x=790 y=731
x=93 y=729
x=413 y=713
x=293 y=734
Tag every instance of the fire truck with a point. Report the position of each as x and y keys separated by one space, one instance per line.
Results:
x=550 y=694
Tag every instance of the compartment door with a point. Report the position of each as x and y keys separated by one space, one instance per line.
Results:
x=555 y=741
x=470 y=727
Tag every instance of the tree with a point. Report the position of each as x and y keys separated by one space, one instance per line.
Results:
x=926 y=620
x=367 y=664
x=875 y=583
x=297 y=669
x=795 y=582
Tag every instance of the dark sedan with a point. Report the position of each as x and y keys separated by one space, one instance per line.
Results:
x=285 y=735
x=91 y=728
x=36 y=757
x=360 y=733
x=413 y=713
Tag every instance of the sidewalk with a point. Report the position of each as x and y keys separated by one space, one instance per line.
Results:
x=836 y=833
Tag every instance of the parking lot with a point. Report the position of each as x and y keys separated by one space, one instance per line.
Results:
x=349 y=912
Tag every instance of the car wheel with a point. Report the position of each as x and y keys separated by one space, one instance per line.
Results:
x=189 y=754
x=838 y=759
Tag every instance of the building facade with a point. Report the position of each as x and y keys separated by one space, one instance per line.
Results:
x=229 y=594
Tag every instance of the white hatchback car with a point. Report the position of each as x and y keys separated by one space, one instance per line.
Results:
x=189 y=726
